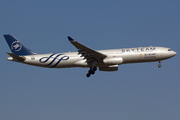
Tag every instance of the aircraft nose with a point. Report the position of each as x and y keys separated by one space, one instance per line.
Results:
x=174 y=53
x=170 y=54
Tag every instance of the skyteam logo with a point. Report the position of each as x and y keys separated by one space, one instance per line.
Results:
x=16 y=46
x=54 y=59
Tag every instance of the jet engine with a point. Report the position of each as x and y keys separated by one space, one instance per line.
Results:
x=113 y=60
x=109 y=68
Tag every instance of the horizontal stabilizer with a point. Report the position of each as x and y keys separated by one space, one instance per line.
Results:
x=16 y=57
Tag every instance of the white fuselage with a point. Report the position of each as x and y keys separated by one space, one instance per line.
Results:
x=73 y=59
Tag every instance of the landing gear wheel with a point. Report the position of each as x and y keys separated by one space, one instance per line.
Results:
x=159 y=65
x=91 y=71
x=95 y=68
x=88 y=75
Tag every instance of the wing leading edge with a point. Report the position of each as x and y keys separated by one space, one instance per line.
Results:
x=88 y=53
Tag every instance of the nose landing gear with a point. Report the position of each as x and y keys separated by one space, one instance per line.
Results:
x=159 y=64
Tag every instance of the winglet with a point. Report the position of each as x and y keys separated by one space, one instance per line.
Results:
x=70 y=39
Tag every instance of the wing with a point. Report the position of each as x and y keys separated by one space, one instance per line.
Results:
x=88 y=53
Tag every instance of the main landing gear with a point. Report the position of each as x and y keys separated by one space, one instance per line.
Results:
x=91 y=71
x=159 y=64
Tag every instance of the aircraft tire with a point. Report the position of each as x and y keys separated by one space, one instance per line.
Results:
x=95 y=68
x=159 y=65
x=88 y=75
x=91 y=72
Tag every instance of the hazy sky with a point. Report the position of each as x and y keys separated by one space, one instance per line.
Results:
x=135 y=92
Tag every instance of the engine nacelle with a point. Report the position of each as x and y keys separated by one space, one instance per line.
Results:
x=109 y=68
x=113 y=60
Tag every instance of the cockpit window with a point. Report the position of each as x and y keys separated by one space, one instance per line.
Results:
x=169 y=50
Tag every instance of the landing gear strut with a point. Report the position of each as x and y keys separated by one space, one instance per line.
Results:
x=159 y=64
x=91 y=71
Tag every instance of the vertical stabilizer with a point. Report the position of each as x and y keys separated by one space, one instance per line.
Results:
x=16 y=46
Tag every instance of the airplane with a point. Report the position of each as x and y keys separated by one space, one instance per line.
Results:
x=85 y=57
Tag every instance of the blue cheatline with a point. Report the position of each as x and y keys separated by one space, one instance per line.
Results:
x=56 y=57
